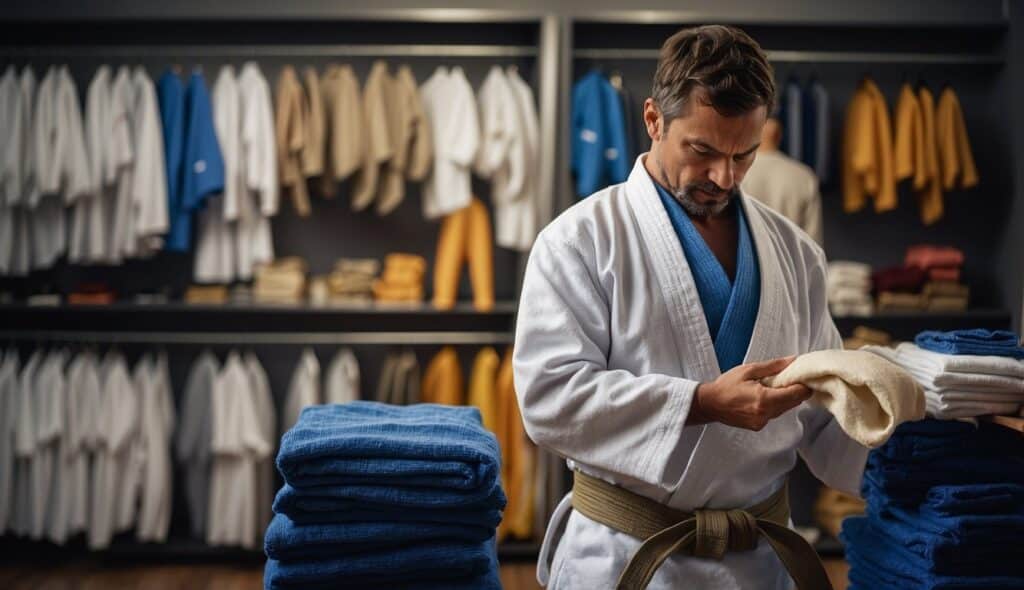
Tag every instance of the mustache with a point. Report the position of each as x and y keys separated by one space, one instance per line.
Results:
x=710 y=188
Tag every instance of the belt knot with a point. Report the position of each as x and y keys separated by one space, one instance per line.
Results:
x=719 y=531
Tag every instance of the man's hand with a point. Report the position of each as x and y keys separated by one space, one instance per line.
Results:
x=737 y=398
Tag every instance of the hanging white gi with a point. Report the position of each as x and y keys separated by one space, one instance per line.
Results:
x=610 y=347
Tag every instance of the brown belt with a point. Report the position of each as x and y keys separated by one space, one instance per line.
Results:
x=703 y=533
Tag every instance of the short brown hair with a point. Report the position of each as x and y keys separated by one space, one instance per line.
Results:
x=724 y=62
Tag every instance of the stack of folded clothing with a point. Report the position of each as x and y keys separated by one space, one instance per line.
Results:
x=380 y=496
x=281 y=281
x=945 y=509
x=941 y=266
x=92 y=294
x=402 y=280
x=899 y=288
x=864 y=336
x=207 y=294
x=832 y=507
x=351 y=281
x=849 y=288
x=964 y=374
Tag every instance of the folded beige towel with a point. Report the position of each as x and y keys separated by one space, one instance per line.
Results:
x=366 y=266
x=943 y=303
x=868 y=395
x=946 y=289
x=872 y=336
x=888 y=300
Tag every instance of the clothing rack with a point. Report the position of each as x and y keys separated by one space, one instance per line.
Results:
x=246 y=338
x=818 y=56
x=272 y=50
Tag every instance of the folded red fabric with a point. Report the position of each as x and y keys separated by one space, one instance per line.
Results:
x=899 y=279
x=926 y=256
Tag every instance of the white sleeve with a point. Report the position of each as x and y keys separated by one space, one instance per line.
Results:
x=571 y=401
x=96 y=136
x=75 y=160
x=462 y=136
x=225 y=123
x=832 y=456
x=45 y=158
x=149 y=189
x=258 y=138
x=10 y=162
x=494 y=130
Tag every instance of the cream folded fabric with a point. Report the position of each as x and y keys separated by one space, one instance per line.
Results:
x=937 y=408
x=864 y=309
x=929 y=372
x=848 y=268
x=872 y=335
x=846 y=295
x=868 y=395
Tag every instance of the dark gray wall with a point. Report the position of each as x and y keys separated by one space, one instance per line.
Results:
x=1011 y=259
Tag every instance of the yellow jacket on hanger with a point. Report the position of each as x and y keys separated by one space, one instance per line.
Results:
x=482 y=388
x=465 y=234
x=410 y=142
x=909 y=143
x=955 y=157
x=312 y=155
x=442 y=382
x=867 y=151
x=290 y=131
x=929 y=198
x=519 y=458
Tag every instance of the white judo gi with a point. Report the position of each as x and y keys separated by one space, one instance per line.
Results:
x=611 y=343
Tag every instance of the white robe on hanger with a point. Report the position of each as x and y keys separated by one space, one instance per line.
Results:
x=22 y=149
x=157 y=415
x=11 y=120
x=611 y=345
x=266 y=415
x=517 y=221
x=303 y=390
x=450 y=106
x=341 y=384
x=115 y=427
x=83 y=401
x=91 y=239
x=25 y=502
x=48 y=410
x=9 y=369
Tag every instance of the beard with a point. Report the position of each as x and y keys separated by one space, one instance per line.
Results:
x=686 y=198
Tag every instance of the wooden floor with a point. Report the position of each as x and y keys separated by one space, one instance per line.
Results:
x=87 y=576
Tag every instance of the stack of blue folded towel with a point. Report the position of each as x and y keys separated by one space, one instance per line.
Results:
x=945 y=510
x=378 y=495
x=972 y=342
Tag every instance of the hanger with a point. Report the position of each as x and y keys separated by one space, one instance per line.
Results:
x=615 y=79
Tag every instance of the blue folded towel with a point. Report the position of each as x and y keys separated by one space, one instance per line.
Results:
x=878 y=561
x=929 y=440
x=287 y=540
x=975 y=500
x=978 y=342
x=908 y=484
x=327 y=504
x=450 y=565
x=373 y=444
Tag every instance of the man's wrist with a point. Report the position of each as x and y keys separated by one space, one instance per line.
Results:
x=698 y=407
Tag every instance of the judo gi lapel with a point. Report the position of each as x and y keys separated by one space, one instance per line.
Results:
x=769 y=313
x=675 y=279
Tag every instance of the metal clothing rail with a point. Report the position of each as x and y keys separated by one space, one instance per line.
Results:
x=269 y=50
x=817 y=56
x=244 y=338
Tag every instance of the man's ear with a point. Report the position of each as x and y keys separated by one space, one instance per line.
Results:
x=653 y=120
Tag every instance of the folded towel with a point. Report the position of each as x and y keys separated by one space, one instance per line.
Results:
x=848 y=268
x=933 y=378
x=364 y=266
x=849 y=296
x=927 y=443
x=287 y=540
x=837 y=283
x=458 y=566
x=945 y=289
x=972 y=342
x=940 y=303
x=938 y=362
x=878 y=560
x=891 y=301
x=944 y=273
x=899 y=279
x=860 y=310
x=351 y=503
x=948 y=410
x=440 y=448
x=975 y=499
x=868 y=395
x=871 y=335
x=926 y=256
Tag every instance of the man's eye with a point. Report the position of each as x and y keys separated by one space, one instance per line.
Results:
x=699 y=151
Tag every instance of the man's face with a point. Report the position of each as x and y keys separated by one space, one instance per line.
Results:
x=702 y=156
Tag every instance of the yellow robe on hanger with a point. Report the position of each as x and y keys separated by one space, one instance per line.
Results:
x=955 y=157
x=929 y=198
x=465 y=235
x=377 y=147
x=857 y=135
x=868 y=167
x=909 y=143
x=442 y=382
x=312 y=155
x=482 y=388
x=519 y=458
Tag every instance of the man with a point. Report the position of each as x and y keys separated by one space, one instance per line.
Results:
x=785 y=184
x=649 y=313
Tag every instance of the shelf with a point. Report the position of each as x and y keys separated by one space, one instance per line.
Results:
x=329 y=320
x=906 y=325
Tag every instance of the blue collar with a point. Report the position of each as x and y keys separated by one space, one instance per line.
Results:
x=730 y=307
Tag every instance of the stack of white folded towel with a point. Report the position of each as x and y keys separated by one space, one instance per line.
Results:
x=961 y=386
x=849 y=288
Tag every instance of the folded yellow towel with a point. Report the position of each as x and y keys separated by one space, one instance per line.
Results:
x=946 y=289
x=399 y=259
x=947 y=303
x=888 y=300
x=868 y=395
x=366 y=266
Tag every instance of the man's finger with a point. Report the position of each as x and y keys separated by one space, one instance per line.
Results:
x=768 y=368
x=785 y=398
